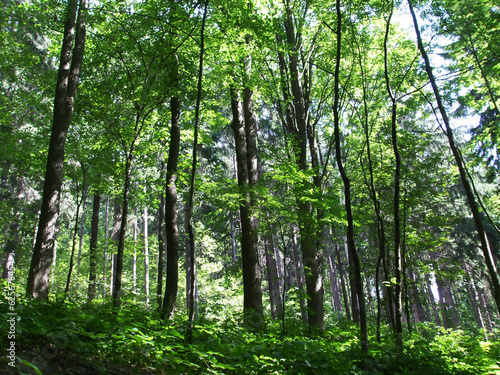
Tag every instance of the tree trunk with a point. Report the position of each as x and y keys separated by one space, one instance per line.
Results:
x=161 y=247
x=353 y=255
x=299 y=274
x=117 y=284
x=297 y=121
x=67 y=82
x=398 y=302
x=447 y=304
x=252 y=293
x=482 y=302
x=190 y=273
x=233 y=237
x=73 y=242
x=171 y=228
x=342 y=280
x=94 y=234
x=146 y=255
x=472 y=295
x=336 y=303
x=189 y=332
x=80 y=241
x=417 y=305
x=272 y=279
x=432 y=300
x=12 y=239
x=134 y=258
x=105 y=270
x=485 y=246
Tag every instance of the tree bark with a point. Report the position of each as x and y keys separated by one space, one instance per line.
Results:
x=67 y=82
x=94 y=234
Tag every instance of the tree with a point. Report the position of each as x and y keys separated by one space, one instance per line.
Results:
x=67 y=83
x=478 y=221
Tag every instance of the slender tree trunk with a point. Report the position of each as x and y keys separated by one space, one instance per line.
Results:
x=353 y=255
x=67 y=82
x=94 y=234
x=161 y=247
x=117 y=284
x=299 y=274
x=398 y=302
x=485 y=246
x=233 y=237
x=73 y=242
x=146 y=255
x=105 y=270
x=187 y=245
x=171 y=227
x=134 y=258
x=342 y=280
x=189 y=333
x=272 y=280
x=336 y=303
x=80 y=242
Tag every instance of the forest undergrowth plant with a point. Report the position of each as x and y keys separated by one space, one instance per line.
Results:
x=136 y=340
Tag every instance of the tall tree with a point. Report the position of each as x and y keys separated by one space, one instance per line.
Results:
x=67 y=82
x=193 y=176
x=471 y=199
x=351 y=245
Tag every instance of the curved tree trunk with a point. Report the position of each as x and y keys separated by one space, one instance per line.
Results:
x=485 y=246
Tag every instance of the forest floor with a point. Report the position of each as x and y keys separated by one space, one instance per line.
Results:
x=80 y=339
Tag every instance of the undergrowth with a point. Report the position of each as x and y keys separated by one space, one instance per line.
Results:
x=75 y=338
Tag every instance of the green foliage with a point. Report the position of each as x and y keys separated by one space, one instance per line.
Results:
x=133 y=340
